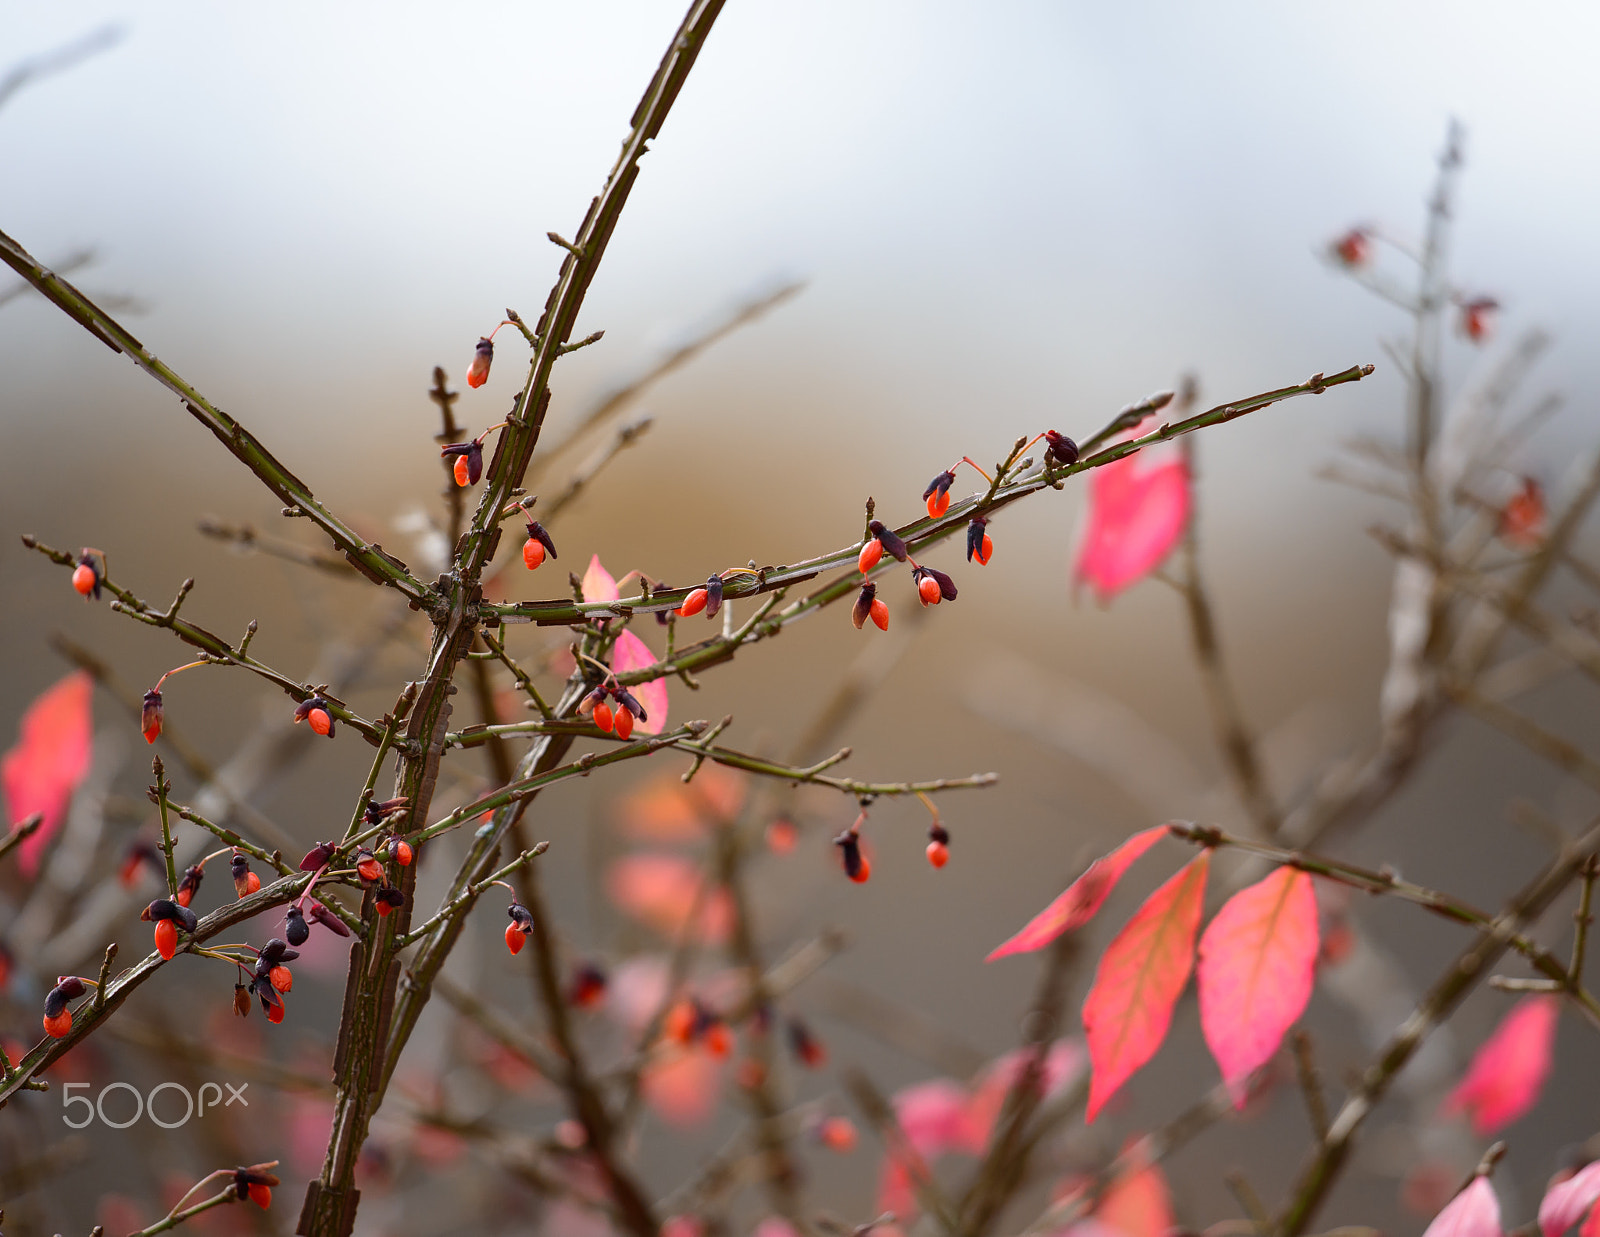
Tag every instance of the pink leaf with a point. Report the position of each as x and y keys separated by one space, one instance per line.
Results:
x=1475 y=1212
x=1257 y=960
x=662 y=890
x=51 y=758
x=597 y=583
x=1139 y=979
x=1565 y=1201
x=1507 y=1073
x=682 y=1086
x=632 y=653
x=933 y=1116
x=1083 y=897
x=1591 y=1226
x=1062 y=1064
x=1137 y=1203
x=1135 y=517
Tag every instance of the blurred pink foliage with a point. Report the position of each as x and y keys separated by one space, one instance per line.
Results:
x=49 y=760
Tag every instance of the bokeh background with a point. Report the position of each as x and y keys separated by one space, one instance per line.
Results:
x=1007 y=218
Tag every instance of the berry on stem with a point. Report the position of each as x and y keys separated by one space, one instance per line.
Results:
x=938 y=845
x=150 y=716
x=315 y=709
x=482 y=358
x=245 y=882
x=937 y=494
x=693 y=603
x=1060 y=449
x=856 y=866
x=868 y=605
x=86 y=576
x=978 y=544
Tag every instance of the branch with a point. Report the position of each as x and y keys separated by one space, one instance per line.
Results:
x=1452 y=986
x=370 y=560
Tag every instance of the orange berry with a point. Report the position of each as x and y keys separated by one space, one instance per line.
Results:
x=320 y=721
x=369 y=869
x=252 y=884
x=719 y=1040
x=166 y=938
x=938 y=503
x=59 y=1025
x=692 y=604
x=403 y=854
x=482 y=358
x=938 y=854
x=870 y=554
x=84 y=578
x=602 y=716
x=862 y=872
x=260 y=1194
x=185 y=896
x=274 y=1012
x=532 y=554
x=463 y=475
x=928 y=591
x=281 y=978
x=515 y=938
x=983 y=554
x=383 y=907
x=624 y=722
x=837 y=1134
x=880 y=614
x=150 y=714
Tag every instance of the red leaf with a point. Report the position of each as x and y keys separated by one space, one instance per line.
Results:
x=1137 y=1203
x=44 y=768
x=632 y=653
x=1475 y=1212
x=1139 y=979
x=1085 y=896
x=1507 y=1073
x=1257 y=960
x=1135 y=517
x=1566 y=1200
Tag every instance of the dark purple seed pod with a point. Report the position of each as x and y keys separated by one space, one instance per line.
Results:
x=630 y=702
x=1060 y=448
x=537 y=531
x=273 y=952
x=328 y=919
x=938 y=833
x=269 y=995
x=295 y=926
x=975 y=530
x=473 y=451
x=150 y=716
x=161 y=909
x=192 y=876
x=64 y=993
x=587 y=704
x=947 y=586
x=938 y=485
x=849 y=845
x=862 y=610
x=892 y=545
x=318 y=855
x=713 y=596
x=520 y=916
x=390 y=896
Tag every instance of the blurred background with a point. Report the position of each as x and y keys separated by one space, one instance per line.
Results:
x=1007 y=218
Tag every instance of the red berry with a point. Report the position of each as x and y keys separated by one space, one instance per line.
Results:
x=1522 y=518
x=862 y=872
x=260 y=1194
x=84 y=578
x=880 y=614
x=928 y=591
x=602 y=716
x=982 y=554
x=515 y=938
x=693 y=603
x=150 y=716
x=185 y=896
x=938 y=854
x=59 y=1025
x=680 y=1022
x=938 y=503
x=383 y=907
x=252 y=884
x=403 y=854
x=837 y=1134
x=274 y=1012
x=478 y=371
x=719 y=1039
x=624 y=722
x=532 y=554
x=166 y=938
x=320 y=721
x=463 y=476
x=870 y=554
x=782 y=836
x=281 y=978
x=369 y=869
x=1353 y=248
